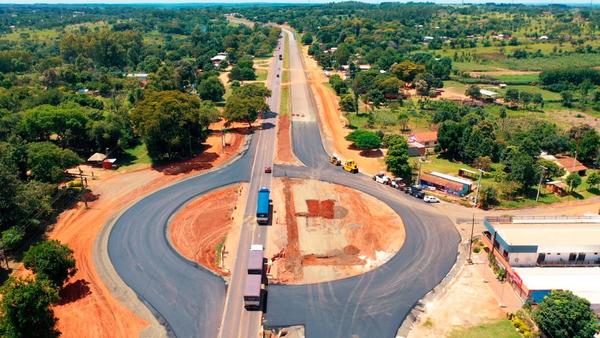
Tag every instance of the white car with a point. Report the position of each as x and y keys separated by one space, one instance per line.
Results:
x=431 y=199
x=381 y=178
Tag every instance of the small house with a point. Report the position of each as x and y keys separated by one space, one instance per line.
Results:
x=429 y=138
x=416 y=149
x=96 y=159
x=571 y=165
x=446 y=183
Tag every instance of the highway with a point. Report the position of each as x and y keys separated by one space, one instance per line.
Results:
x=236 y=321
x=193 y=302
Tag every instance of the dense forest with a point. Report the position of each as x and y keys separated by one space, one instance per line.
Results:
x=78 y=80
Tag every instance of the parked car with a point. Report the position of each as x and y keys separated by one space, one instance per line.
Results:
x=397 y=183
x=382 y=178
x=431 y=199
x=416 y=191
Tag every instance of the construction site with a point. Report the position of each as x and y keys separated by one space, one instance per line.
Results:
x=323 y=232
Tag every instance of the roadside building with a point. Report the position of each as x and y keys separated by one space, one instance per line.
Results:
x=96 y=159
x=545 y=241
x=446 y=183
x=571 y=165
x=535 y=283
x=416 y=149
x=557 y=187
x=545 y=253
x=428 y=138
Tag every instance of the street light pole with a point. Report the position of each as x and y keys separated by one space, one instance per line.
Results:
x=537 y=197
x=473 y=221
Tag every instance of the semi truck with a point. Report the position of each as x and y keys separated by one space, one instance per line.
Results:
x=252 y=292
x=255 y=260
x=262 y=207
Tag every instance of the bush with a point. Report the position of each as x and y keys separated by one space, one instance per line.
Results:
x=365 y=140
x=392 y=139
x=51 y=260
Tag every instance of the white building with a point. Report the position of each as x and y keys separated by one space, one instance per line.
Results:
x=546 y=241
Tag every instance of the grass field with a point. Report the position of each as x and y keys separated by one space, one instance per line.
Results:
x=261 y=74
x=135 y=155
x=517 y=79
x=500 y=329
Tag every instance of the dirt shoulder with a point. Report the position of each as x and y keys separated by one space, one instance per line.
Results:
x=333 y=123
x=88 y=309
x=322 y=232
x=203 y=230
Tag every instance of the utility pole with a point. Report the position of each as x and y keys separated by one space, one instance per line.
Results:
x=473 y=221
x=537 y=197
x=83 y=186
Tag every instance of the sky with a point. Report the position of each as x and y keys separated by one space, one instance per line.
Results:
x=595 y=2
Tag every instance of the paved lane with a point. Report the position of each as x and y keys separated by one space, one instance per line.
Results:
x=373 y=304
x=237 y=322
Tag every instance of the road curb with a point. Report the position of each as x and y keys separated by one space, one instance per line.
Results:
x=158 y=326
x=439 y=290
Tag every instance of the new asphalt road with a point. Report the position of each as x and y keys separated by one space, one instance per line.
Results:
x=189 y=299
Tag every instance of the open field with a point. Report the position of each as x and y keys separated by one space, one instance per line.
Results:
x=498 y=329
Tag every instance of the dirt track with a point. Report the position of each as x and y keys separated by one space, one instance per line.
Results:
x=87 y=308
x=202 y=227
x=323 y=231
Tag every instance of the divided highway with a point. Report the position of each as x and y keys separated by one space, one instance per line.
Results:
x=193 y=302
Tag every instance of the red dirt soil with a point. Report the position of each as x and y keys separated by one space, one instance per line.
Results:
x=202 y=225
x=284 y=154
x=320 y=208
x=87 y=308
x=333 y=123
x=293 y=261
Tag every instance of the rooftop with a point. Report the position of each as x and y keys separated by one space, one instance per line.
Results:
x=425 y=137
x=582 y=281
x=570 y=164
x=551 y=234
x=461 y=180
x=441 y=181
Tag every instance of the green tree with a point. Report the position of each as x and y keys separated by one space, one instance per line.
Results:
x=396 y=161
x=48 y=162
x=389 y=140
x=307 y=39
x=211 y=89
x=563 y=314
x=593 y=180
x=573 y=181
x=242 y=73
x=552 y=169
x=566 y=98
x=364 y=140
x=25 y=309
x=522 y=169
x=169 y=124
x=12 y=238
x=246 y=103
x=589 y=147
x=51 y=260
x=449 y=139
x=473 y=92
x=347 y=103
x=488 y=197
x=511 y=95
x=338 y=84
x=407 y=70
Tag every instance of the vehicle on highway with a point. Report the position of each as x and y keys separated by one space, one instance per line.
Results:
x=252 y=292
x=262 y=207
x=382 y=178
x=280 y=57
x=277 y=75
x=268 y=170
x=351 y=167
x=431 y=199
x=335 y=160
x=256 y=260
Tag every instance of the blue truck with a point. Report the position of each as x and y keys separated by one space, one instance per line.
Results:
x=262 y=207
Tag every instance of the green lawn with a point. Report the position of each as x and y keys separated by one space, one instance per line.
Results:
x=134 y=156
x=284 y=105
x=261 y=74
x=546 y=94
x=517 y=79
x=500 y=329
